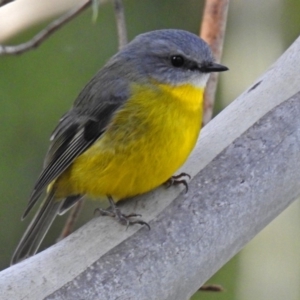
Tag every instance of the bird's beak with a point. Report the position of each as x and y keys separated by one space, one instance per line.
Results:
x=213 y=67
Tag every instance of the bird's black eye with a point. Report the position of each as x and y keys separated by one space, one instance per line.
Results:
x=177 y=61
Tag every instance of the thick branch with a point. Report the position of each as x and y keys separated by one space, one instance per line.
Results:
x=245 y=170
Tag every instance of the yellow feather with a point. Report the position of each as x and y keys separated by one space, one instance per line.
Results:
x=148 y=139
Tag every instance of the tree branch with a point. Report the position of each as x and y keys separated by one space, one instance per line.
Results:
x=245 y=169
x=45 y=33
x=121 y=24
x=4 y=2
x=213 y=31
x=71 y=220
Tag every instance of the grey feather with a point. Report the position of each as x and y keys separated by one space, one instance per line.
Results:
x=68 y=203
x=37 y=229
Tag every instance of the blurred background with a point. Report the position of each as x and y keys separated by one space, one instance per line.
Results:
x=37 y=87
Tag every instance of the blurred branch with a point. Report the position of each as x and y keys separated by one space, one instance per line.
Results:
x=211 y=288
x=213 y=31
x=121 y=24
x=45 y=33
x=71 y=220
x=3 y=2
x=241 y=181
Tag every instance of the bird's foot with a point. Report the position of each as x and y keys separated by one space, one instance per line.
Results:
x=177 y=179
x=115 y=212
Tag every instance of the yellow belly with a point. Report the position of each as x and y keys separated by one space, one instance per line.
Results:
x=146 y=142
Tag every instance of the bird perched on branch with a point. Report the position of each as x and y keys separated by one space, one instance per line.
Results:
x=131 y=127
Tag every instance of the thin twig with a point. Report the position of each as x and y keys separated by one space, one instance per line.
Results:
x=211 y=288
x=3 y=2
x=212 y=31
x=71 y=220
x=121 y=24
x=45 y=33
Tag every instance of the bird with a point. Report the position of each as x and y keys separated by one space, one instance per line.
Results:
x=129 y=130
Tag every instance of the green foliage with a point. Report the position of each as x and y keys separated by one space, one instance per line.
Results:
x=226 y=278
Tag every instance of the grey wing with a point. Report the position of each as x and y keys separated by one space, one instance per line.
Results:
x=77 y=130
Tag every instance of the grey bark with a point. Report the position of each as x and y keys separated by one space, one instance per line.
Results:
x=245 y=171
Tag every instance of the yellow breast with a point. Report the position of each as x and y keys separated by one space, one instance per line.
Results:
x=146 y=142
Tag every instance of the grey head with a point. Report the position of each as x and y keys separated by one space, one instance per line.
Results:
x=168 y=56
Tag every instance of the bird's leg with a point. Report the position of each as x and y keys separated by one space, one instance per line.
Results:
x=177 y=179
x=115 y=212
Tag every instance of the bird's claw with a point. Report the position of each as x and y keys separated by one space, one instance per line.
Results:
x=176 y=180
x=115 y=212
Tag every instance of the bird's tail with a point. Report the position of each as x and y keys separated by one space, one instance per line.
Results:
x=37 y=229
